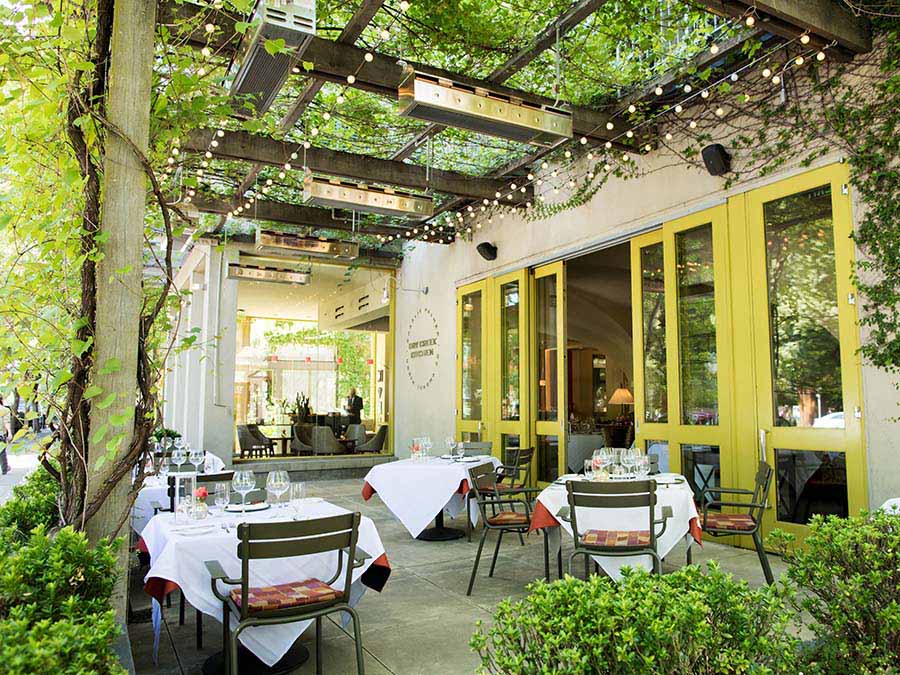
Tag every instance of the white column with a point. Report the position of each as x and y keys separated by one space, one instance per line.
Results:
x=193 y=368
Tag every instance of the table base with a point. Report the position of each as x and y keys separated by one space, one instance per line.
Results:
x=249 y=664
x=439 y=532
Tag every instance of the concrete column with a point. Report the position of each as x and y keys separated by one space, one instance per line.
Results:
x=219 y=348
x=193 y=369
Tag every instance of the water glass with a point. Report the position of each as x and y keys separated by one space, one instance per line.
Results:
x=426 y=446
x=221 y=496
x=451 y=445
x=589 y=469
x=277 y=483
x=642 y=467
x=298 y=494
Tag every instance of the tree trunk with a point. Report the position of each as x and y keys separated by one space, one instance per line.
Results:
x=119 y=272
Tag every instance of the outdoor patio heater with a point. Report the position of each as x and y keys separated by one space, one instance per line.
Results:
x=277 y=243
x=274 y=276
x=256 y=75
x=332 y=193
x=455 y=104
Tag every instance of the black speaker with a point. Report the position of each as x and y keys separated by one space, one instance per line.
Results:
x=487 y=250
x=717 y=159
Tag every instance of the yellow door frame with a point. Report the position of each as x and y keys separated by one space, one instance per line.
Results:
x=473 y=425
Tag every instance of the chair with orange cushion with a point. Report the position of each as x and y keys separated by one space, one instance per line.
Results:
x=299 y=600
x=748 y=523
x=498 y=511
x=589 y=495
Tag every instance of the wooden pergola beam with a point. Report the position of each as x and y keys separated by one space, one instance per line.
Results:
x=543 y=41
x=292 y=214
x=174 y=16
x=354 y=28
x=826 y=20
x=247 y=147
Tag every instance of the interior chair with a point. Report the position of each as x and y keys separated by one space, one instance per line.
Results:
x=498 y=512
x=207 y=480
x=477 y=448
x=262 y=441
x=299 y=446
x=249 y=443
x=356 y=432
x=584 y=495
x=376 y=443
x=300 y=600
x=324 y=442
x=748 y=522
x=654 y=464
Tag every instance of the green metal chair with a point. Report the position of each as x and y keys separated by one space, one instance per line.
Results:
x=296 y=601
x=609 y=495
x=498 y=512
x=749 y=523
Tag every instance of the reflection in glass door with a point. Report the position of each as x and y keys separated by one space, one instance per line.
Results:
x=470 y=354
x=808 y=401
x=508 y=420
x=549 y=368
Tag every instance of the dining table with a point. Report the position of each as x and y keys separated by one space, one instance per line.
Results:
x=420 y=490
x=672 y=490
x=179 y=549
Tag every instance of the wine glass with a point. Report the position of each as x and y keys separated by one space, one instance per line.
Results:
x=163 y=470
x=426 y=446
x=221 y=496
x=589 y=469
x=277 y=483
x=628 y=459
x=298 y=494
x=642 y=467
x=243 y=482
x=179 y=456
x=196 y=457
x=451 y=445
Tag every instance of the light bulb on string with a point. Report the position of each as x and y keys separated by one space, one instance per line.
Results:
x=668 y=136
x=326 y=115
x=679 y=108
x=804 y=39
x=340 y=99
x=351 y=79
x=688 y=89
x=206 y=52
x=799 y=60
x=608 y=145
x=767 y=73
x=610 y=126
x=776 y=80
x=632 y=108
x=693 y=124
x=583 y=140
x=544 y=165
x=568 y=154
x=704 y=93
x=369 y=57
x=659 y=91
x=714 y=49
x=720 y=112
x=220 y=133
x=820 y=56
x=750 y=21
x=307 y=145
x=734 y=77
x=385 y=35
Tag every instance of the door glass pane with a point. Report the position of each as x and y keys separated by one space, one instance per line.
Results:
x=803 y=312
x=701 y=466
x=511 y=444
x=545 y=330
x=471 y=356
x=547 y=458
x=509 y=334
x=697 y=326
x=470 y=436
x=653 y=303
x=809 y=483
x=661 y=450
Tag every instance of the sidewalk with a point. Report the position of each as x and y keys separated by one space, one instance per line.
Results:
x=20 y=465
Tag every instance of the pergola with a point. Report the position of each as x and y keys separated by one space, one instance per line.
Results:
x=364 y=62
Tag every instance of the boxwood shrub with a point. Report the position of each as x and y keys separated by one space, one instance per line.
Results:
x=847 y=575
x=684 y=623
x=33 y=504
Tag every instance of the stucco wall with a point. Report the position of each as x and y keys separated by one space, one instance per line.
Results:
x=665 y=191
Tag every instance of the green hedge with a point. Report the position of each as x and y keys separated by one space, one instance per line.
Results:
x=683 y=623
x=34 y=503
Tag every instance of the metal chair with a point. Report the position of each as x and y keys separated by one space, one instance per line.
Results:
x=295 y=601
x=376 y=444
x=608 y=495
x=749 y=523
x=497 y=511
x=476 y=448
x=516 y=469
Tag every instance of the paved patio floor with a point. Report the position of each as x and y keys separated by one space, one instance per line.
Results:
x=422 y=621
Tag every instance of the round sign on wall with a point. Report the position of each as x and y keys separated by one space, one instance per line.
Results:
x=422 y=337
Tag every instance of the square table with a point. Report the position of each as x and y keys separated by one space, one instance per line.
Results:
x=418 y=490
x=684 y=523
x=178 y=553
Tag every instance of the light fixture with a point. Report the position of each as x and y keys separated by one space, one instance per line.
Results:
x=622 y=396
x=385 y=201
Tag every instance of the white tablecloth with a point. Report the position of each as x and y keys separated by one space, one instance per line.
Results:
x=892 y=506
x=415 y=491
x=180 y=558
x=680 y=497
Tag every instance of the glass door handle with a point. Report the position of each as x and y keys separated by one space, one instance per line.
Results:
x=762 y=445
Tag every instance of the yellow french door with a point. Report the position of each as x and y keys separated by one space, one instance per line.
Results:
x=548 y=371
x=471 y=370
x=804 y=340
x=682 y=355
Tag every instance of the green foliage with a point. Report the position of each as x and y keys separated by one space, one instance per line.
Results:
x=848 y=575
x=58 y=576
x=684 y=623
x=164 y=432
x=34 y=503
x=68 y=646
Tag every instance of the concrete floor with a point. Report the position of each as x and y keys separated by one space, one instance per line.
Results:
x=422 y=621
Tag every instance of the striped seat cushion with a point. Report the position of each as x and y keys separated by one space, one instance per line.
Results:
x=737 y=522
x=508 y=518
x=282 y=596
x=615 y=538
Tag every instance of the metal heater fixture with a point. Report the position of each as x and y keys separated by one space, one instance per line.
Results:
x=332 y=193
x=257 y=76
x=273 y=241
x=275 y=276
x=453 y=104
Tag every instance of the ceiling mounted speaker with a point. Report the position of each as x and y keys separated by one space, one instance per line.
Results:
x=717 y=159
x=487 y=250
x=454 y=104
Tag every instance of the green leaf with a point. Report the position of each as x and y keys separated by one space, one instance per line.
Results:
x=275 y=46
x=83 y=65
x=107 y=401
x=111 y=366
x=59 y=379
x=93 y=391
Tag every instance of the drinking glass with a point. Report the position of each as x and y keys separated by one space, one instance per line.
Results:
x=164 y=471
x=243 y=482
x=277 y=483
x=196 y=457
x=426 y=446
x=179 y=457
x=298 y=494
x=589 y=469
x=451 y=445
x=642 y=467
x=628 y=459
x=221 y=497
x=460 y=451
